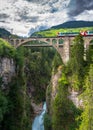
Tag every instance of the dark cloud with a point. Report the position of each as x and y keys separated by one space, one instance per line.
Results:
x=78 y=6
x=37 y=1
x=53 y=10
x=2 y=21
x=3 y=16
x=43 y=2
x=32 y=19
x=23 y=16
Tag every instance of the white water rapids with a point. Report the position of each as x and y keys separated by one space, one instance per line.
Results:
x=38 y=123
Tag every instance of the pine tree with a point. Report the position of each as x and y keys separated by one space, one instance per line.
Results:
x=87 y=115
x=77 y=55
x=76 y=63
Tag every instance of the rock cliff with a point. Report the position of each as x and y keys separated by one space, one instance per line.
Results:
x=7 y=71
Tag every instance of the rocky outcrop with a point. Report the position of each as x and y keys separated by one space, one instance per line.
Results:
x=7 y=71
x=37 y=108
x=74 y=97
x=52 y=89
x=72 y=94
x=54 y=81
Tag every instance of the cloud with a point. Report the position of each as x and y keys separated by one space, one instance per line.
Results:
x=3 y=16
x=78 y=6
x=85 y=15
x=24 y=16
x=37 y=28
x=37 y=1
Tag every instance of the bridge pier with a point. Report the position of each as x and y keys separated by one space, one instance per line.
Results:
x=65 y=50
x=57 y=42
x=86 y=45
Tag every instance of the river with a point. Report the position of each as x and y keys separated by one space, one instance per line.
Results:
x=38 y=123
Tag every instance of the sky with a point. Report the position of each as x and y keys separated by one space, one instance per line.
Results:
x=23 y=17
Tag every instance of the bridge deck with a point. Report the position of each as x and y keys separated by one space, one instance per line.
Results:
x=40 y=45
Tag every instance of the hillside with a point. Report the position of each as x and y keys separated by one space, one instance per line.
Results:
x=71 y=26
x=4 y=33
x=74 y=24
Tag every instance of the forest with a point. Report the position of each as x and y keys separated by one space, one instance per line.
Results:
x=34 y=68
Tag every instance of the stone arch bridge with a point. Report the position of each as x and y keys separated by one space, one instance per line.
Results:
x=61 y=44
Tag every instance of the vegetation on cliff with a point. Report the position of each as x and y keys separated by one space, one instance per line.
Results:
x=38 y=67
x=33 y=72
x=63 y=109
x=76 y=75
x=76 y=65
x=15 y=107
x=6 y=50
x=34 y=67
x=87 y=95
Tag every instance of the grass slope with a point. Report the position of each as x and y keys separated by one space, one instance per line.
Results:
x=53 y=32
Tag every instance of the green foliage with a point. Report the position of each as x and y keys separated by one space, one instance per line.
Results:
x=6 y=50
x=38 y=70
x=87 y=115
x=16 y=104
x=57 y=61
x=65 y=116
x=15 y=108
x=60 y=114
x=18 y=117
x=64 y=112
x=19 y=57
x=38 y=66
x=48 y=97
x=3 y=105
x=76 y=64
x=74 y=82
x=89 y=55
x=47 y=122
x=77 y=56
x=59 y=107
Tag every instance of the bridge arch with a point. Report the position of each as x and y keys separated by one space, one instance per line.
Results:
x=49 y=42
x=22 y=43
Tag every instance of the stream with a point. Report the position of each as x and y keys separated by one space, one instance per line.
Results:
x=38 y=123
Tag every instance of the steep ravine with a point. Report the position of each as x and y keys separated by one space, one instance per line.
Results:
x=62 y=99
x=72 y=94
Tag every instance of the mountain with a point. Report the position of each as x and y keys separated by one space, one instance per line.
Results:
x=74 y=24
x=4 y=33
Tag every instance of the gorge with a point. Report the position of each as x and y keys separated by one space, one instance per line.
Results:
x=26 y=77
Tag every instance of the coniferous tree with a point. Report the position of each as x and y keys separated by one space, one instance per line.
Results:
x=77 y=55
x=87 y=115
x=76 y=63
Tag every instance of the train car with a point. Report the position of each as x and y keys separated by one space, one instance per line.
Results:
x=86 y=33
x=60 y=34
x=83 y=33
